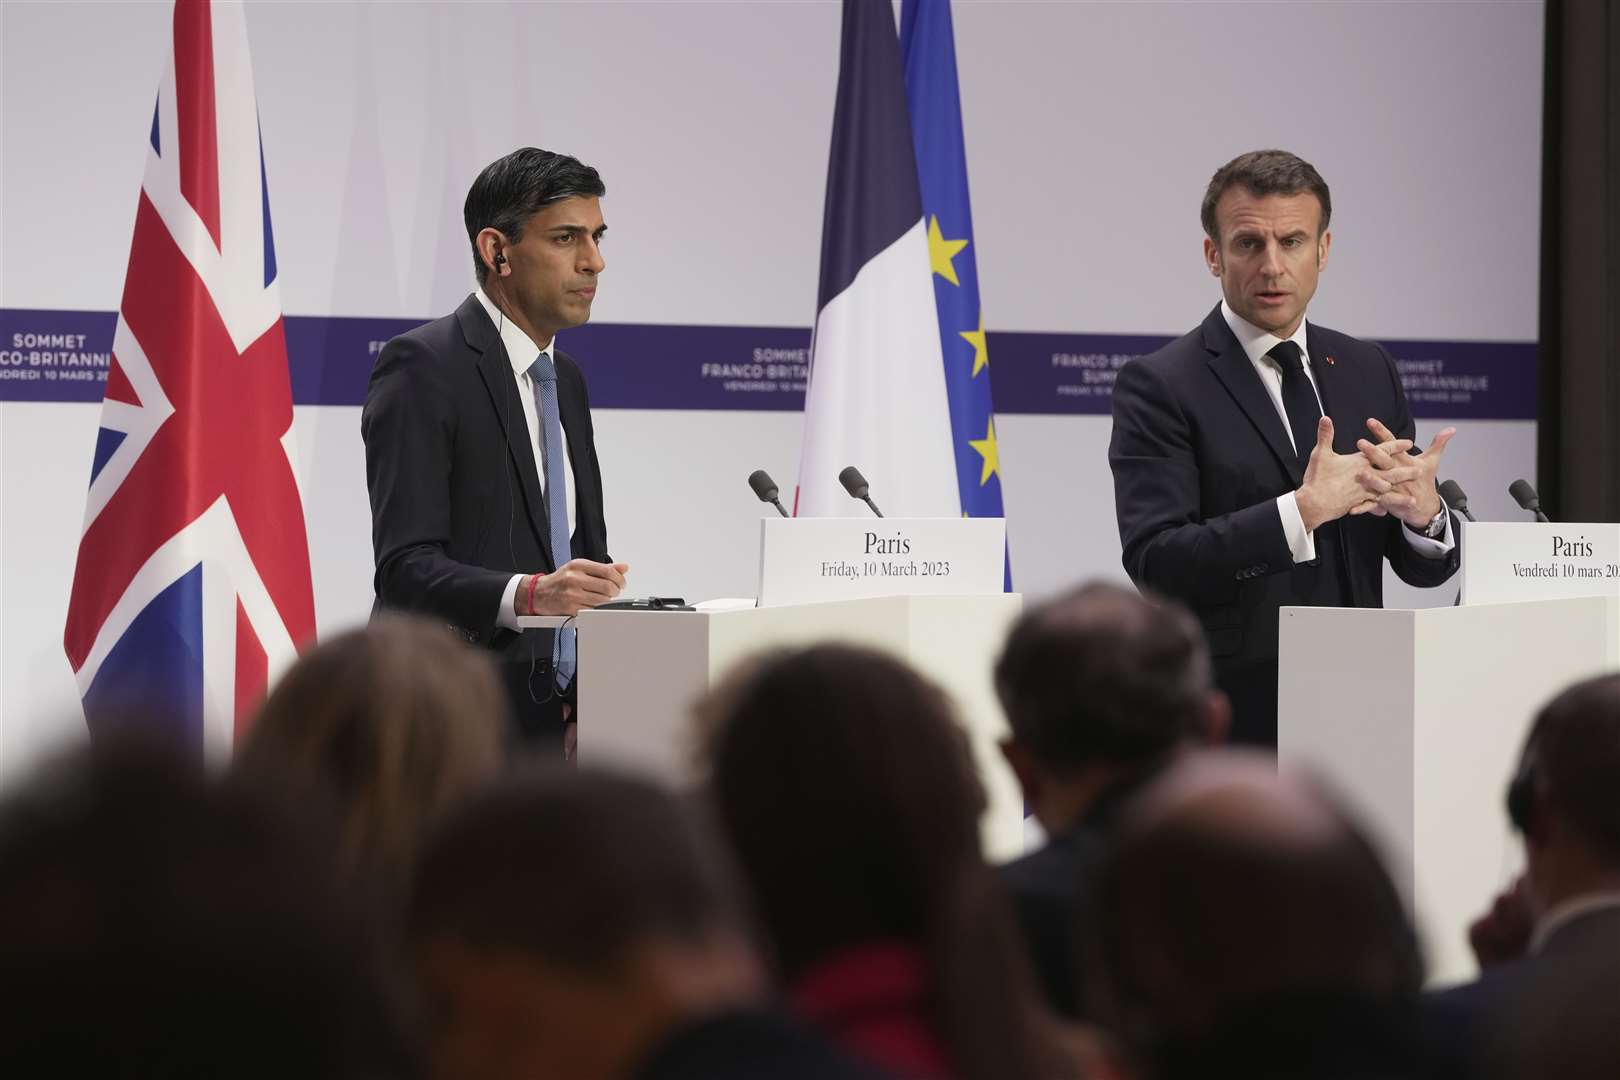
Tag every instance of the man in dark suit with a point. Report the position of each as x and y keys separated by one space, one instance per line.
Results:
x=1102 y=688
x=1548 y=1000
x=1239 y=480
x=486 y=496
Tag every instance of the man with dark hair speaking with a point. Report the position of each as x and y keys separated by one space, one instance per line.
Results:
x=1244 y=475
x=486 y=495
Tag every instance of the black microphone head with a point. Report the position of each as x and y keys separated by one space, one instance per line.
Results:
x=854 y=482
x=763 y=485
x=1455 y=496
x=1525 y=495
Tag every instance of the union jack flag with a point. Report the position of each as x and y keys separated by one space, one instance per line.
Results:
x=192 y=586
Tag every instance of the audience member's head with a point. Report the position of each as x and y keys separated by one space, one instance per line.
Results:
x=1098 y=683
x=154 y=925
x=1557 y=1015
x=391 y=723
x=1565 y=796
x=565 y=923
x=1241 y=911
x=849 y=793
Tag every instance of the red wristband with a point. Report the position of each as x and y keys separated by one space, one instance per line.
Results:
x=534 y=580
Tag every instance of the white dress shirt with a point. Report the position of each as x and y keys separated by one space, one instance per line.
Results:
x=521 y=353
x=1256 y=344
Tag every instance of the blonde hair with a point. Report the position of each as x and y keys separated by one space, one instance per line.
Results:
x=392 y=723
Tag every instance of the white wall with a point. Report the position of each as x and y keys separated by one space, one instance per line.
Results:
x=1091 y=130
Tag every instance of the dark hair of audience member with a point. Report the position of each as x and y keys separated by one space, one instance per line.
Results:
x=849 y=794
x=1556 y=1013
x=1251 y=895
x=1575 y=744
x=391 y=723
x=153 y=924
x=573 y=868
x=1104 y=673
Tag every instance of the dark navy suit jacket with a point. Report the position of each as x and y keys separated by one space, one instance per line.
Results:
x=456 y=508
x=1200 y=455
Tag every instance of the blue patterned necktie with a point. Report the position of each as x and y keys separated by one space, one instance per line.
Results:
x=543 y=378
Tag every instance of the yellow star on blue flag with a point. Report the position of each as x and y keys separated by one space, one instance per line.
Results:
x=987 y=451
x=981 y=352
x=941 y=251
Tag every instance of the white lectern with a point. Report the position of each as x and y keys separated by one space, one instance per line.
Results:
x=1417 y=718
x=640 y=672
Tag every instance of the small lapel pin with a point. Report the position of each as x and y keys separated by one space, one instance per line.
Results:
x=1328 y=360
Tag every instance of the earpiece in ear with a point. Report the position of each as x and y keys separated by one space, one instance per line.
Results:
x=1521 y=793
x=500 y=261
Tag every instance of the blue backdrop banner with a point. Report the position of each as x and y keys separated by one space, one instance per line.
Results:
x=64 y=355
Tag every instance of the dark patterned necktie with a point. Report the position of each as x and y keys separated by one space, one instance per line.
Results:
x=1299 y=399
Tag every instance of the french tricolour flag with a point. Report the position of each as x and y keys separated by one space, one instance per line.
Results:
x=192 y=585
x=877 y=397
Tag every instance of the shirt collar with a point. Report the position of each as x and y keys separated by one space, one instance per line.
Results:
x=521 y=351
x=1563 y=914
x=1257 y=342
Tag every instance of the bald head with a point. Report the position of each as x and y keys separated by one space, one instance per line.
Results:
x=1230 y=885
x=1238 y=797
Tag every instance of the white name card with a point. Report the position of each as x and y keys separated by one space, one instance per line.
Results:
x=810 y=560
x=1504 y=561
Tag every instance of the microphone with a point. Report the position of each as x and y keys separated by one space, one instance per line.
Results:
x=1456 y=498
x=1526 y=496
x=856 y=485
x=765 y=488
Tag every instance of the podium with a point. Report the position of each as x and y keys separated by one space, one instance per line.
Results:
x=641 y=671
x=926 y=590
x=1417 y=717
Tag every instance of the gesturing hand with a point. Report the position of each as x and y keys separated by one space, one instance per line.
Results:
x=1502 y=934
x=1412 y=498
x=578 y=584
x=1338 y=484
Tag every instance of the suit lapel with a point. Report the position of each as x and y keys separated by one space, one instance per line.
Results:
x=590 y=531
x=572 y=411
x=1231 y=365
x=496 y=372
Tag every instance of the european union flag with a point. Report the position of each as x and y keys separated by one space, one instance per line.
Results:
x=927 y=45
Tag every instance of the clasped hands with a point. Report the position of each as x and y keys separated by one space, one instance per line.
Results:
x=1380 y=478
x=577 y=585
